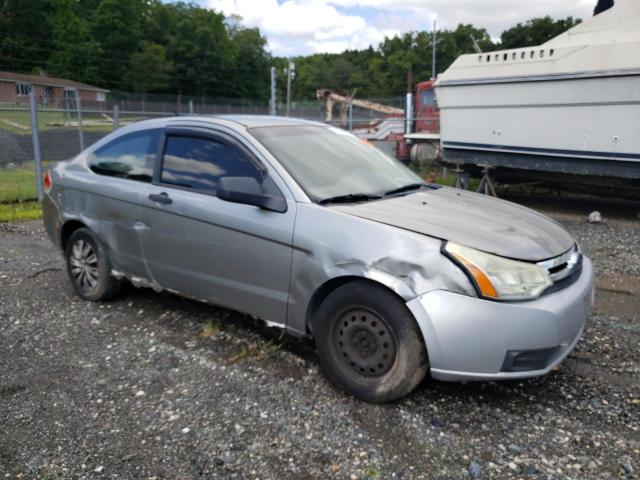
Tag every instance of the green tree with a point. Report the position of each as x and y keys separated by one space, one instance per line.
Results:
x=159 y=22
x=312 y=73
x=74 y=55
x=116 y=27
x=251 y=63
x=200 y=51
x=341 y=75
x=536 y=31
x=25 y=41
x=149 y=70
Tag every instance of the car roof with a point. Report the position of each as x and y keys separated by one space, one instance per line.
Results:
x=238 y=122
x=247 y=121
x=251 y=121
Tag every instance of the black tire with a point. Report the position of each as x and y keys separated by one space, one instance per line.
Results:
x=369 y=343
x=89 y=268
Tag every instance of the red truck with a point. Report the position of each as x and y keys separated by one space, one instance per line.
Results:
x=422 y=126
x=415 y=130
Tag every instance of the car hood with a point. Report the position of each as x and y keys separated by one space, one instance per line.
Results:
x=470 y=219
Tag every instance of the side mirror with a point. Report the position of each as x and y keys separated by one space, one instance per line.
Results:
x=248 y=191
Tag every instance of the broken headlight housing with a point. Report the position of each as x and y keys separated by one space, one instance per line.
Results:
x=500 y=278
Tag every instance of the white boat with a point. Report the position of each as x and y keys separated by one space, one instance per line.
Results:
x=570 y=106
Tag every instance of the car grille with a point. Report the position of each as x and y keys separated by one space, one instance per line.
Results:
x=564 y=266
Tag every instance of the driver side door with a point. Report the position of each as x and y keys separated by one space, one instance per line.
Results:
x=230 y=254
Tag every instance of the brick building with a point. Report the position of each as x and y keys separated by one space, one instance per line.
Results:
x=50 y=91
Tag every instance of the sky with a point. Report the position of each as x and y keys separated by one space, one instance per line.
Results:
x=300 y=27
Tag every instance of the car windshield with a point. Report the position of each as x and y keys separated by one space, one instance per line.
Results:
x=328 y=162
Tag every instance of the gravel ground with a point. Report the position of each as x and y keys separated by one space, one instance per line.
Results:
x=154 y=386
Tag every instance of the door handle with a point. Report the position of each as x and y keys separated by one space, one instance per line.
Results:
x=163 y=198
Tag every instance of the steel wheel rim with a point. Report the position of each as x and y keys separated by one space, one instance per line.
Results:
x=84 y=265
x=364 y=342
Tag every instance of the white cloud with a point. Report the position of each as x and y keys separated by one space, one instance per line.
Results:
x=356 y=40
x=307 y=26
x=301 y=26
x=494 y=15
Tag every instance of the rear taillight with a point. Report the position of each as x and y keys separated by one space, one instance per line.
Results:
x=47 y=182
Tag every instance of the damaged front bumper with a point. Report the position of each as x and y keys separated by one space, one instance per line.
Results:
x=469 y=338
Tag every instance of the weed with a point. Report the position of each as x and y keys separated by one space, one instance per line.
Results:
x=211 y=329
x=258 y=350
x=371 y=473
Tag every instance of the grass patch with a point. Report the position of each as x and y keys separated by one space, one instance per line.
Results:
x=18 y=212
x=19 y=121
x=259 y=350
x=18 y=184
x=371 y=472
x=209 y=330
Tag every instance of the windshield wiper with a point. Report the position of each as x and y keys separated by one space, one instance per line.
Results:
x=349 y=198
x=407 y=188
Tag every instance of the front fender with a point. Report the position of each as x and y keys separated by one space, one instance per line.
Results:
x=407 y=263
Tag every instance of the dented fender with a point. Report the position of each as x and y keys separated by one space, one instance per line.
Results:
x=405 y=262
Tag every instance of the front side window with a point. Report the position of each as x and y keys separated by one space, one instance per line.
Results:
x=23 y=89
x=131 y=156
x=199 y=163
x=427 y=98
x=329 y=162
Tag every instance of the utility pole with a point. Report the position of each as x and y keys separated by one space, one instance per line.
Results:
x=410 y=71
x=291 y=71
x=433 y=60
x=79 y=113
x=116 y=117
x=408 y=115
x=272 y=102
x=35 y=137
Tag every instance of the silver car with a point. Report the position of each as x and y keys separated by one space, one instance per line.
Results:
x=317 y=232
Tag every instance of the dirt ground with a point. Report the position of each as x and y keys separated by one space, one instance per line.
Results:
x=150 y=385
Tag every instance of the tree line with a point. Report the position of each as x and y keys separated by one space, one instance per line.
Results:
x=148 y=46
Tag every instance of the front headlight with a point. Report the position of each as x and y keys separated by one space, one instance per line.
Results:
x=500 y=278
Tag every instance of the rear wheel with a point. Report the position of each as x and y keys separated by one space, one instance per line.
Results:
x=88 y=267
x=369 y=343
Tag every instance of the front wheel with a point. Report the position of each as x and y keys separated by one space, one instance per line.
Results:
x=369 y=343
x=88 y=267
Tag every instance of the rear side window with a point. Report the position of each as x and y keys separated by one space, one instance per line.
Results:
x=199 y=163
x=131 y=156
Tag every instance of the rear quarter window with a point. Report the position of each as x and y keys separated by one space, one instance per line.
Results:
x=131 y=156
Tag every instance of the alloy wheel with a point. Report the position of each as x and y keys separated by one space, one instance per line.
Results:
x=84 y=265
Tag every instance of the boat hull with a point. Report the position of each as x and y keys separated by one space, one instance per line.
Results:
x=583 y=118
x=588 y=127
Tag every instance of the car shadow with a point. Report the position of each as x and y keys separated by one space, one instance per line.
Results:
x=192 y=318
x=188 y=320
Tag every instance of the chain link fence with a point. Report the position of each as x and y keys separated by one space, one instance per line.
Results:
x=65 y=131
x=34 y=134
